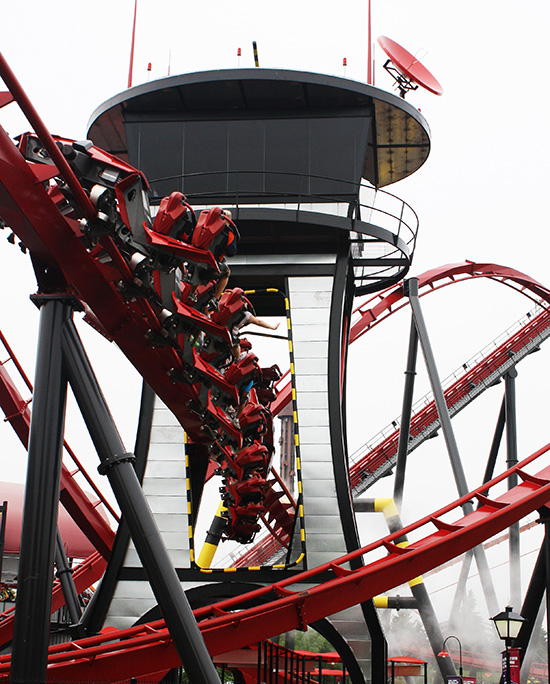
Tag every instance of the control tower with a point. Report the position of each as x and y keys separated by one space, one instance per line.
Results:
x=301 y=159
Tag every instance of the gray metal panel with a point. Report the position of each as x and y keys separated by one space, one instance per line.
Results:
x=309 y=333
x=313 y=400
x=128 y=590
x=166 y=433
x=166 y=451
x=160 y=469
x=313 y=366
x=315 y=434
x=163 y=416
x=168 y=504
x=319 y=523
x=315 y=468
x=316 y=558
x=313 y=350
x=319 y=489
x=168 y=522
x=282 y=259
x=167 y=486
x=310 y=301
x=310 y=315
x=311 y=284
x=312 y=418
x=318 y=505
x=303 y=300
x=310 y=383
x=316 y=452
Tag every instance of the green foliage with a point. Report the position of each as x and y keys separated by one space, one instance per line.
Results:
x=306 y=641
x=406 y=631
x=474 y=630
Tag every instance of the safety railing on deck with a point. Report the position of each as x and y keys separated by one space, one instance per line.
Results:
x=384 y=254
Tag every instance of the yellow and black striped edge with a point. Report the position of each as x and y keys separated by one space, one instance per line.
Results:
x=190 y=520
x=300 y=499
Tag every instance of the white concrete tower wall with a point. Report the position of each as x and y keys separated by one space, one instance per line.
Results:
x=164 y=485
x=165 y=477
x=310 y=305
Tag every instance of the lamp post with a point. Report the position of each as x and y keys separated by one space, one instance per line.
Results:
x=444 y=654
x=508 y=625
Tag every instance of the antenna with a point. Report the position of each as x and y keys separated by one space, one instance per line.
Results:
x=132 y=47
x=407 y=70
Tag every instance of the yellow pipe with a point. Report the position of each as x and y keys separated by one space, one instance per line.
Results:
x=213 y=537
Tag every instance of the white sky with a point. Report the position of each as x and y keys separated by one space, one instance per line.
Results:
x=482 y=194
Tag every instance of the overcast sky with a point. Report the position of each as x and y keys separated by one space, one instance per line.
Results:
x=482 y=194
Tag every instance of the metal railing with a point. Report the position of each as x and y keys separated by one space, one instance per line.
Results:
x=527 y=332
x=357 y=206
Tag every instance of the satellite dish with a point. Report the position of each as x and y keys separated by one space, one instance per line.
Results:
x=407 y=70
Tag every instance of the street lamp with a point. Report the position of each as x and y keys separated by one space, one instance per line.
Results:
x=444 y=654
x=508 y=625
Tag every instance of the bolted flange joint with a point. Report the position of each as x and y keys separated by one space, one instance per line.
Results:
x=114 y=460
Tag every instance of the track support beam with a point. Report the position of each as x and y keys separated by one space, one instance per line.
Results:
x=405 y=425
x=64 y=573
x=489 y=470
x=411 y=288
x=38 y=537
x=93 y=618
x=117 y=464
x=511 y=460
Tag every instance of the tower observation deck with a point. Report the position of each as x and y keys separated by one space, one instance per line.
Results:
x=301 y=160
x=300 y=157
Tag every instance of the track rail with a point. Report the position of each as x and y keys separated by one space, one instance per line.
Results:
x=83 y=511
x=55 y=241
x=393 y=299
x=283 y=606
x=84 y=575
x=377 y=457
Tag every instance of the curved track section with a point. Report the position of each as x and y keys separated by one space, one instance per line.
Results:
x=377 y=457
x=392 y=299
x=89 y=250
x=230 y=624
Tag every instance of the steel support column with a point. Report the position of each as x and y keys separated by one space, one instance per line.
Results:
x=495 y=445
x=489 y=470
x=39 y=528
x=511 y=460
x=96 y=611
x=417 y=586
x=405 y=425
x=117 y=464
x=340 y=314
x=64 y=574
x=448 y=434
x=533 y=607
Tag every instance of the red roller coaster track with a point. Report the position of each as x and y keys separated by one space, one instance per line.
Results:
x=55 y=240
x=284 y=606
x=377 y=460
